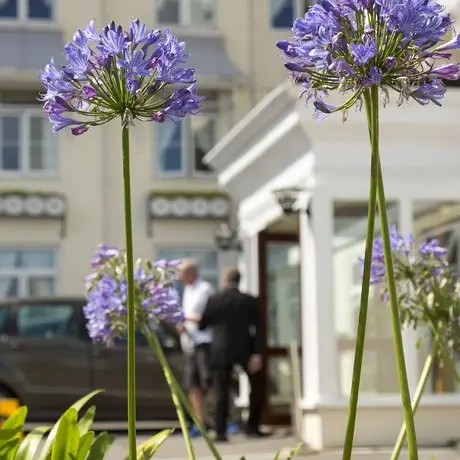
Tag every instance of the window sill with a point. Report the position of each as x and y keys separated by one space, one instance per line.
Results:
x=30 y=25
x=184 y=176
x=13 y=175
x=204 y=175
x=194 y=30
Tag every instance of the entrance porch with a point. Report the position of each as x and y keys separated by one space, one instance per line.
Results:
x=304 y=266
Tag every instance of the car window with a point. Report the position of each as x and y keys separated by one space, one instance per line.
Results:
x=47 y=321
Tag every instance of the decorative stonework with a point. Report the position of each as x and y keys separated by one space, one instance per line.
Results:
x=204 y=205
x=34 y=205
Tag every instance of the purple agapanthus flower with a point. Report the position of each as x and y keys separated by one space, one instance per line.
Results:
x=350 y=45
x=410 y=263
x=428 y=288
x=406 y=255
x=138 y=74
x=156 y=299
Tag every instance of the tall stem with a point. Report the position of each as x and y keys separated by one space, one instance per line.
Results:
x=131 y=348
x=416 y=400
x=362 y=319
x=392 y=293
x=177 y=390
x=156 y=347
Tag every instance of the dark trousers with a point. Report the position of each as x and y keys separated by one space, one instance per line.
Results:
x=222 y=383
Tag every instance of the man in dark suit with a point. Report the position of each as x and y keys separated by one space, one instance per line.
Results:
x=234 y=319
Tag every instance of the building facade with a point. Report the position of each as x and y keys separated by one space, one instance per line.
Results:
x=304 y=265
x=60 y=196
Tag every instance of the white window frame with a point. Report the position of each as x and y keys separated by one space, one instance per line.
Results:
x=24 y=113
x=24 y=274
x=211 y=111
x=188 y=169
x=185 y=15
x=179 y=248
x=298 y=11
x=23 y=13
x=159 y=171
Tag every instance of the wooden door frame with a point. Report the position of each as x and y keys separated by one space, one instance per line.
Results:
x=264 y=238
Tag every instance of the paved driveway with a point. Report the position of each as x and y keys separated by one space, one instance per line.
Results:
x=173 y=448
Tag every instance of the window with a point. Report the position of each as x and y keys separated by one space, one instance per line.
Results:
x=207 y=259
x=47 y=321
x=186 y=12
x=27 y=144
x=350 y=220
x=27 y=9
x=183 y=145
x=27 y=272
x=439 y=220
x=203 y=129
x=283 y=12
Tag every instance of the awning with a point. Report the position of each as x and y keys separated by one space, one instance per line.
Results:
x=209 y=58
x=25 y=49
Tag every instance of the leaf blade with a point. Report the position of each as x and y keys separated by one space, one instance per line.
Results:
x=84 y=445
x=67 y=437
x=100 y=446
x=149 y=448
x=29 y=446
x=84 y=424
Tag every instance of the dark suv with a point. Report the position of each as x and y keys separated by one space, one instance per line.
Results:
x=47 y=361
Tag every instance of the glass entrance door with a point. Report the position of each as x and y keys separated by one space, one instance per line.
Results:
x=280 y=296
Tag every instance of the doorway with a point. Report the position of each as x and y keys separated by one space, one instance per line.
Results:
x=279 y=288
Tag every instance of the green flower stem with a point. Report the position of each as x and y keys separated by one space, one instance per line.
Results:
x=392 y=293
x=438 y=346
x=177 y=390
x=156 y=347
x=416 y=400
x=361 y=333
x=131 y=346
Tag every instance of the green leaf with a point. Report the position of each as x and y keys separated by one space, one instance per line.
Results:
x=29 y=446
x=77 y=406
x=294 y=451
x=9 y=448
x=81 y=402
x=67 y=437
x=100 y=446
x=84 y=424
x=149 y=448
x=7 y=435
x=10 y=433
x=16 y=419
x=84 y=445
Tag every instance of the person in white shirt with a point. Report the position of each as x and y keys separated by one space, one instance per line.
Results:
x=195 y=343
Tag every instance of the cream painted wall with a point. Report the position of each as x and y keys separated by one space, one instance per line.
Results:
x=90 y=169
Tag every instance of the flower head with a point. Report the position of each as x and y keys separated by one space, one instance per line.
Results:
x=106 y=291
x=135 y=74
x=428 y=289
x=350 y=45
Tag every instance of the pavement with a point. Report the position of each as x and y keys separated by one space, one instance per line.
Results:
x=238 y=447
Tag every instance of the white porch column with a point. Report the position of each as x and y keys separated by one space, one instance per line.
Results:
x=319 y=349
x=249 y=268
x=248 y=263
x=409 y=335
